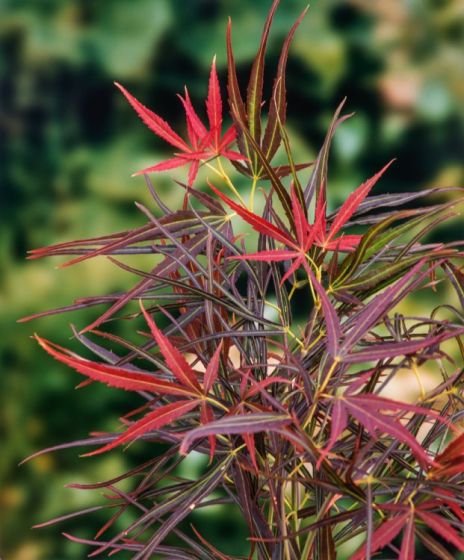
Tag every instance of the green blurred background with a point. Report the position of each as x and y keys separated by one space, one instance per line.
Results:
x=69 y=143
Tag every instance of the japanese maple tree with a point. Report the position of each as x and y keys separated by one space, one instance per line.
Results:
x=274 y=353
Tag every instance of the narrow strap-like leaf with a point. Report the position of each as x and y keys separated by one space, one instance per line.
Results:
x=351 y=264
x=273 y=255
x=179 y=223
x=278 y=102
x=442 y=528
x=184 y=504
x=338 y=422
x=454 y=450
x=434 y=546
x=376 y=308
x=154 y=420
x=354 y=200
x=214 y=105
x=330 y=316
x=174 y=359
x=383 y=275
x=374 y=422
x=408 y=542
x=318 y=181
x=382 y=536
x=255 y=84
x=113 y=376
x=193 y=245
x=237 y=424
x=212 y=369
x=259 y=224
x=237 y=106
x=392 y=349
x=300 y=217
x=192 y=117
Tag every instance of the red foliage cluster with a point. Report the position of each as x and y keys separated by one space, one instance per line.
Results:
x=204 y=143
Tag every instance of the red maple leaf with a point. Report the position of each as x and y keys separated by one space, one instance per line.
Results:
x=368 y=410
x=327 y=239
x=405 y=517
x=203 y=144
x=297 y=246
x=186 y=385
x=306 y=235
x=451 y=460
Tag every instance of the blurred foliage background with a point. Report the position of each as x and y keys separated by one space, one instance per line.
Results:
x=69 y=142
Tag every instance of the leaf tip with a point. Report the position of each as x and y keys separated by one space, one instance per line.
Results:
x=120 y=87
x=91 y=453
x=184 y=448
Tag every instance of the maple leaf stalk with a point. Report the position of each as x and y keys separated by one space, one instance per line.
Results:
x=220 y=171
x=254 y=184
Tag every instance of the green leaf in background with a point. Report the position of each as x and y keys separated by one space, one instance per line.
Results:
x=125 y=39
